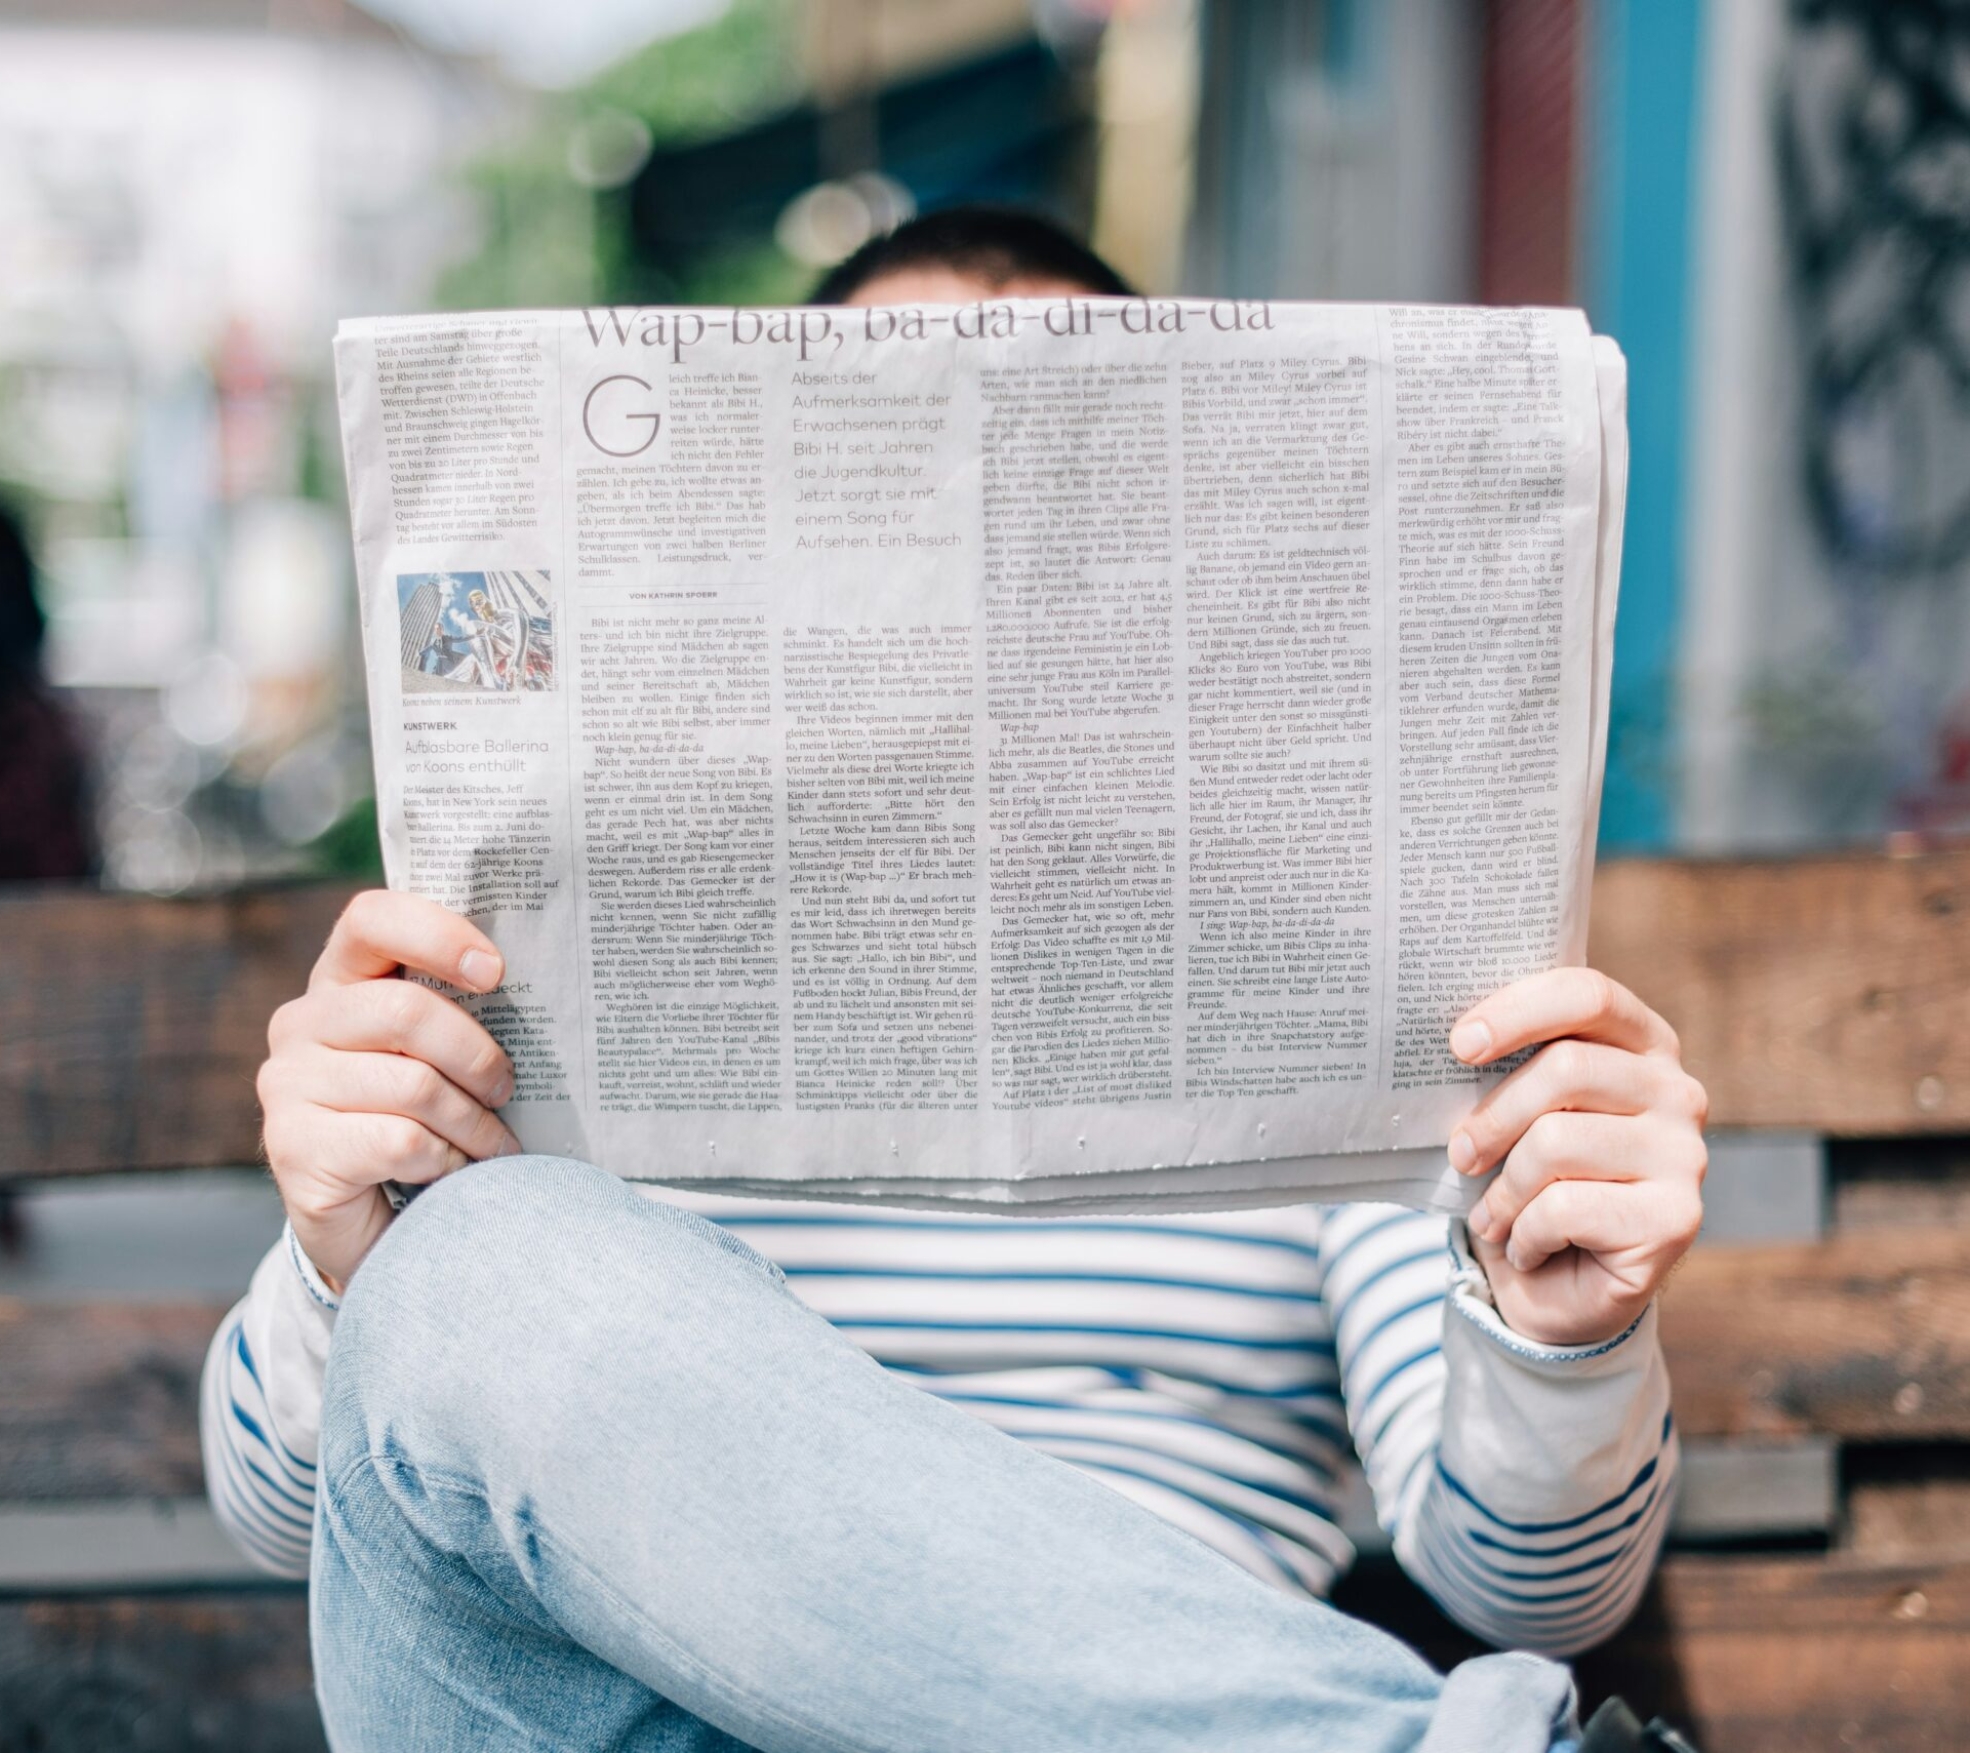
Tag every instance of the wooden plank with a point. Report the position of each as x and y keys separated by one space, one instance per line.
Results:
x=1759 y=1654
x=1729 y=1492
x=60 y=1548
x=1909 y=1520
x=1899 y=1183
x=1908 y=1501
x=1823 y=993
x=1859 y=1336
x=1762 y=1655
x=130 y=1028
x=204 y=1673
x=1781 y=1655
x=1765 y=1187
x=1863 y=1336
x=1756 y=1491
x=101 y=1399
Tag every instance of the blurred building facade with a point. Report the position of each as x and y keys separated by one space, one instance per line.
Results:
x=1768 y=203
x=1765 y=201
x=190 y=197
x=1825 y=649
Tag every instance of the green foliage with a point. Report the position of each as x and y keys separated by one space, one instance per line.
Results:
x=538 y=245
x=350 y=848
x=1817 y=711
x=1821 y=734
x=548 y=241
x=712 y=80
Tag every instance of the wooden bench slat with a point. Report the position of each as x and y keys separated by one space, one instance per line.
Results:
x=130 y=1028
x=1824 y=993
x=1754 y=1654
x=1765 y=1655
x=100 y=1400
x=113 y=1546
x=193 y=1673
x=1863 y=1335
x=1774 y=1655
x=1860 y=1336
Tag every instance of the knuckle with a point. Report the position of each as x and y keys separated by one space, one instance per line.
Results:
x=1551 y=1135
x=1568 y=1063
x=284 y=1024
x=365 y=911
x=1601 y=996
x=274 y=1142
x=267 y=1084
x=488 y=1136
x=402 y=1007
x=1698 y=1099
x=1699 y=1161
x=1514 y=1171
x=423 y=1087
x=1686 y=1218
x=1535 y=1228
x=1526 y=1169
x=1519 y=1177
x=488 y=1064
x=399 y=1142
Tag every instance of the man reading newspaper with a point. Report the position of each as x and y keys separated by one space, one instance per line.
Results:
x=578 y=1464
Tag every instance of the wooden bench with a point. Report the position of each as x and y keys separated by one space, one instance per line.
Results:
x=1819 y=1591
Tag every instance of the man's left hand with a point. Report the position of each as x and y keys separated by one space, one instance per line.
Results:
x=1600 y=1134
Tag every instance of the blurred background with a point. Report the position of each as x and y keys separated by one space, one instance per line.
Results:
x=1766 y=201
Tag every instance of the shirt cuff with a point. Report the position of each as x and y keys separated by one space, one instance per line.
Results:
x=1471 y=1297
x=304 y=1269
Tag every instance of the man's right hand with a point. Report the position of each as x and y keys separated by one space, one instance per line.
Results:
x=374 y=1078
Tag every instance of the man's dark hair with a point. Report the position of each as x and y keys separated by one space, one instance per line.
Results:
x=995 y=244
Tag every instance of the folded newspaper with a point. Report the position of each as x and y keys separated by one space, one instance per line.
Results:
x=1052 y=755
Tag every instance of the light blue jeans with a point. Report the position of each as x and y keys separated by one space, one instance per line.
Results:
x=592 y=1478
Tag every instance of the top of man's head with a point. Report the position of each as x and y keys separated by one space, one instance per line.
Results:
x=966 y=251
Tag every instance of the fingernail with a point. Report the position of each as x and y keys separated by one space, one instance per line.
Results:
x=1470 y=1039
x=1513 y=1255
x=1463 y=1153
x=478 y=970
x=512 y=1147
x=1480 y=1220
x=502 y=1092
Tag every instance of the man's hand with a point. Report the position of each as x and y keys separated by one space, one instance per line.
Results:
x=1601 y=1136
x=372 y=1078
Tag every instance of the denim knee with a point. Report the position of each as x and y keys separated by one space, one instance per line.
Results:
x=493 y=1225
x=461 y=1241
x=475 y=1292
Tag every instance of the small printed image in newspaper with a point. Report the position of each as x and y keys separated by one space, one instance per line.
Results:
x=476 y=632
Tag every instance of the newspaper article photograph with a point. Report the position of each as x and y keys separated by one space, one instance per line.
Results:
x=487 y=631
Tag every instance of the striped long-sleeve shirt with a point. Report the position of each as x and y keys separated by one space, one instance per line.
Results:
x=1223 y=1371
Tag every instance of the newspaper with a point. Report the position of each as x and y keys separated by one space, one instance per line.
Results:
x=1070 y=754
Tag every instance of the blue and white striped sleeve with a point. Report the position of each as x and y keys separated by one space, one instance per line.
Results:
x=1526 y=1487
x=260 y=1409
